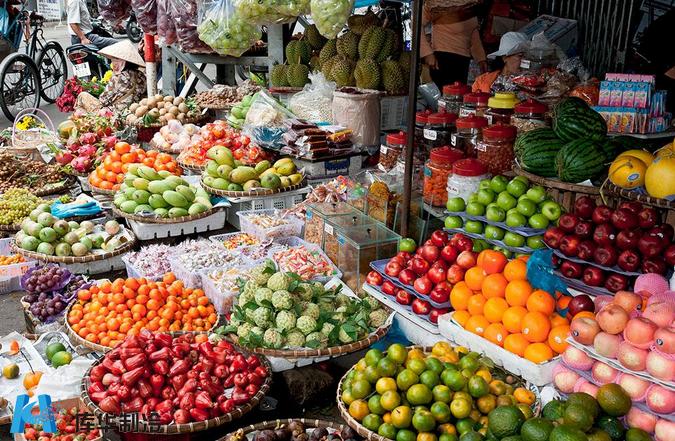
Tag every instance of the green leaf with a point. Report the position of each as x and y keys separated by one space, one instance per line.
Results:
x=241 y=284
x=269 y=270
x=230 y=329
x=332 y=335
x=312 y=344
x=221 y=330
x=251 y=305
x=256 y=340
x=267 y=304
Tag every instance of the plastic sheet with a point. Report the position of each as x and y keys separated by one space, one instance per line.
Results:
x=226 y=31
x=166 y=29
x=184 y=15
x=115 y=11
x=330 y=16
x=146 y=15
x=360 y=112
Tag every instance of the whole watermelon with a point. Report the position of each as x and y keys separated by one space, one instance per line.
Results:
x=536 y=151
x=570 y=103
x=580 y=160
x=576 y=124
x=613 y=147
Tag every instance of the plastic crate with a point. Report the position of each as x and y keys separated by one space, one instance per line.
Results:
x=10 y=275
x=281 y=201
x=133 y=272
x=222 y=300
x=292 y=227
x=297 y=242
x=151 y=231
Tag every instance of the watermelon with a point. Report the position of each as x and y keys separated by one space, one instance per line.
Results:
x=536 y=151
x=570 y=103
x=580 y=160
x=613 y=147
x=580 y=124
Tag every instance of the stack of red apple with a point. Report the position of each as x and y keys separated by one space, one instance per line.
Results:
x=616 y=243
x=428 y=274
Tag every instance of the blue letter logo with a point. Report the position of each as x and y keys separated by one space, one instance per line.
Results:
x=23 y=414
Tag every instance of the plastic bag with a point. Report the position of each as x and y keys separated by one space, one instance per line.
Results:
x=184 y=14
x=330 y=16
x=588 y=91
x=146 y=15
x=431 y=94
x=166 y=29
x=315 y=102
x=261 y=12
x=267 y=111
x=292 y=8
x=115 y=11
x=226 y=32
x=360 y=111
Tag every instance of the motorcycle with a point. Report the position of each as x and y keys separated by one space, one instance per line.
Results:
x=133 y=30
x=86 y=61
x=129 y=28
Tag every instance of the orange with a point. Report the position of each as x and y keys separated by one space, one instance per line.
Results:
x=523 y=395
x=476 y=304
x=557 y=336
x=535 y=326
x=517 y=292
x=494 y=285
x=496 y=333
x=588 y=314
x=513 y=317
x=494 y=309
x=557 y=320
x=122 y=148
x=492 y=261
x=459 y=296
x=563 y=302
x=538 y=353
x=474 y=278
x=461 y=317
x=477 y=324
x=515 y=270
x=516 y=343
x=541 y=301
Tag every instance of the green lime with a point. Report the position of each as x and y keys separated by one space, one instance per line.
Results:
x=614 y=428
x=390 y=400
x=567 y=433
x=373 y=356
x=576 y=415
x=419 y=394
x=53 y=348
x=384 y=384
x=613 y=400
x=375 y=405
x=460 y=408
x=423 y=421
x=596 y=434
x=401 y=417
x=417 y=365
x=372 y=375
x=406 y=435
x=360 y=375
x=406 y=379
x=420 y=408
x=386 y=367
x=61 y=358
x=454 y=380
x=347 y=396
x=448 y=437
x=387 y=430
x=441 y=412
x=435 y=365
x=442 y=393
x=397 y=353
x=429 y=379
x=361 y=389
x=372 y=422
x=478 y=387
x=471 y=436
x=350 y=374
x=554 y=410
x=465 y=425
x=536 y=429
x=505 y=421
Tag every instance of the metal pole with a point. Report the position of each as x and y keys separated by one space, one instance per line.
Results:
x=151 y=64
x=416 y=21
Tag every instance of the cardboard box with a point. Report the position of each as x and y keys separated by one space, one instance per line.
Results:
x=560 y=31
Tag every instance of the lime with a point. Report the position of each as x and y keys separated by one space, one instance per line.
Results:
x=636 y=434
x=527 y=410
x=401 y=417
x=373 y=356
x=361 y=389
x=460 y=408
x=471 y=436
x=372 y=422
x=347 y=384
x=10 y=370
x=359 y=409
x=462 y=394
x=417 y=365
x=486 y=404
x=386 y=367
x=406 y=435
x=442 y=393
x=375 y=405
x=446 y=428
x=361 y=365
x=347 y=396
x=478 y=387
x=390 y=400
x=426 y=436
x=465 y=425
x=536 y=429
x=469 y=362
x=53 y=348
x=576 y=415
x=61 y=358
x=596 y=434
x=497 y=387
x=613 y=400
x=441 y=412
x=423 y=421
x=506 y=400
x=454 y=380
x=387 y=430
x=435 y=365
x=430 y=379
x=586 y=401
x=397 y=353
x=505 y=421
x=567 y=433
x=384 y=384
x=372 y=374
x=350 y=374
x=419 y=394
x=360 y=375
x=406 y=379
x=448 y=437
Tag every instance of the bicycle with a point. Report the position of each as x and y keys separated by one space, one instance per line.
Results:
x=39 y=72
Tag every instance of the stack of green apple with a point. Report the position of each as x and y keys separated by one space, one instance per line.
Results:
x=511 y=203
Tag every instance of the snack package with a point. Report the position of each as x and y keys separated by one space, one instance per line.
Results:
x=226 y=31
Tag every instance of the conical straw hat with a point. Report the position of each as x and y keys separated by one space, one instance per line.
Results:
x=123 y=50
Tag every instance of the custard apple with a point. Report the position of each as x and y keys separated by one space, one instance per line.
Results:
x=342 y=299
x=285 y=320
x=327 y=328
x=372 y=301
x=279 y=282
x=295 y=339
x=344 y=337
x=243 y=330
x=263 y=294
x=245 y=297
x=316 y=336
x=250 y=314
x=273 y=338
x=305 y=291
x=259 y=274
x=257 y=331
x=340 y=316
x=263 y=317
x=318 y=288
x=306 y=325
x=311 y=310
x=282 y=300
x=251 y=286
x=377 y=318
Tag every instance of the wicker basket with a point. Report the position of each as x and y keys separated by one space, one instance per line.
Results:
x=172 y=429
x=55 y=189
x=309 y=424
x=162 y=149
x=193 y=167
x=26 y=143
x=163 y=220
x=668 y=206
x=259 y=192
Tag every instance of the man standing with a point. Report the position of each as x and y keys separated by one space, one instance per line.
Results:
x=81 y=28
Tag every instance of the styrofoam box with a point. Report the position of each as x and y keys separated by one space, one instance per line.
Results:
x=417 y=334
x=149 y=231
x=393 y=112
x=96 y=267
x=280 y=201
x=537 y=374
x=10 y=275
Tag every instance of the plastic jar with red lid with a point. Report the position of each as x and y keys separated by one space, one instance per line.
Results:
x=438 y=130
x=529 y=115
x=421 y=120
x=500 y=107
x=391 y=150
x=465 y=178
x=496 y=148
x=474 y=103
x=453 y=97
x=436 y=171
x=469 y=133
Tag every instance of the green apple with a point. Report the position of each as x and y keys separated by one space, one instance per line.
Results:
x=407 y=244
x=472 y=226
x=516 y=220
x=473 y=197
x=535 y=242
x=526 y=207
x=511 y=211
x=504 y=251
x=455 y=204
x=536 y=194
x=506 y=201
x=499 y=183
x=478 y=247
x=514 y=239
x=486 y=196
x=538 y=221
x=547 y=198
x=522 y=179
x=495 y=214
x=484 y=184
x=483 y=242
x=516 y=188
x=475 y=209
x=517 y=255
x=453 y=222
x=551 y=210
x=494 y=233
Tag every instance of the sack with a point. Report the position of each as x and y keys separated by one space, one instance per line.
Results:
x=360 y=111
x=227 y=32
x=314 y=103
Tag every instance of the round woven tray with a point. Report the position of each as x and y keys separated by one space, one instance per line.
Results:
x=163 y=220
x=171 y=429
x=550 y=183
x=372 y=436
x=201 y=117
x=228 y=106
x=162 y=149
x=286 y=89
x=262 y=192
x=633 y=196
x=193 y=167
x=13 y=228
x=102 y=191
x=73 y=259
x=309 y=424
x=70 y=180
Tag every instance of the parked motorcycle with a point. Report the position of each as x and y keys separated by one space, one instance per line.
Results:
x=86 y=61
x=133 y=30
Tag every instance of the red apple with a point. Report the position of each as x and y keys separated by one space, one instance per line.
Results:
x=553 y=236
x=388 y=288
x=661 y=232
x=441 y=264
x=586 y=249
x=584 y=330
x=627 y=239
x=580 y=303
x=584 y=207
x=419 y=265
x=374 y=278
x=403 y=297
x=421 y=307
x=594 y=276
x=437 y=312
x=568 y=222
x=444 y=286
x=461 y=242
x=439 y=238
x=400 y=261
x=624 y=219
x=669 y=229
x=407 y=277
x=569 y=245
x=650 y=245
x=633 y=206
x=604 y=234
x=648 y=218
x=449 y=253
x=455 y=274
x=430 y=253
x=466 y=259
x=439 y=296
x=404 y=255
x=437 y=274
x=572 y=270
x=423 y=285
x=655 y=264
x=669 y=255
x=584 y=229
x=602 y=214
x=428 y=242
x=616 y=282
x=629 y=260
x=605 y=255
x=393 y=268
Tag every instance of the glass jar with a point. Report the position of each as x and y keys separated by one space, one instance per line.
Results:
x=469 y=132
x=474 y=104
x=421 y=120
x=500 y=107
x=439 y=128
x=465 y=178
x=496 y=148
x=529 y=115
x=316 y=215
x=436 y=172
x=391 y=150
x=453 y=96
x=418 y=170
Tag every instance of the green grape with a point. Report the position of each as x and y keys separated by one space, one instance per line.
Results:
x=330 y=16
x=229 y=34
x=293 y=8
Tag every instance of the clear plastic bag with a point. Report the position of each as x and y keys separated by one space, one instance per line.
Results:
x=262 y=12
x=146 y=15
x=184 y=14
x=314 y=103
x=292 y=8
x=166 y=30
x=115 y=11
x=330 y=16
x=227 y=32
x=267 y=111
x=360 y=111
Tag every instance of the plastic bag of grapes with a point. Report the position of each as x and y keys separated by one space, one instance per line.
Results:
x=227 y=32
x=292 y=8
x=184 y=15
x=166 y=30
x=330 y=16
x=260 y=12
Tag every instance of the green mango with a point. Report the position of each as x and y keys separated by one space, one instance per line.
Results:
x=186 y=193
x=197 y=208
x=178 y=212
x=175 y=199
x=157 y=201
x=128 y=207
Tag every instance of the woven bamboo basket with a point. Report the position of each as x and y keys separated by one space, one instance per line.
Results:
x=26 y=143
x=309 y=424
x=259 y=192
x=102 y=191
x=372 y=436
x=162 y=149
x=128 y=246
x=55 y=189
x=664 y=204
x=163 y=220
x=193 y=167
x=172 y=429
x=10 y=228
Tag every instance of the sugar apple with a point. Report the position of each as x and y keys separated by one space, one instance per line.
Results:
x=278 y=282
x=244 y=329
x=372 y=301
x=327 y=328
x=251 y=286
x=263 y=294
x=341 y=315
x=344 y=337
x=311 y=310
x=263 y=317
x=305 y=291
x=295 y=339
x=306 y=325
x=318 y=288
x=342 y=299
x=273 y=338
x=377 y=318
x=245 y=297
x=316 y=336
x=282 y=300
x=250 y=314
x=257 y=331
x=285 y=320
x=259 y=274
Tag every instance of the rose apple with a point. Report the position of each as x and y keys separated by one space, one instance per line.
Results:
x=437 y=312
x=568 y=222
x=466 y=259
x=455 y=274
x=616 y=282
x=423 y=285
x=627 y=239
x=449 y=253
x=586 y=250
x=604 y=234
x=419 y=265
x=629 y=260
x=439 y=238
x=593 y=276
x=648 y=218
x=407 y=276
x=650 y=245
x=393 y=268
x=569 y=245
x=655 y=264
x=421 y=307
x=605 y=255
x=374 y=278
x=388 y=288
x=580 y=303
x=584 y=207
x=553 y=236
x=403 y=297
x=584 y=229
x=572 y=270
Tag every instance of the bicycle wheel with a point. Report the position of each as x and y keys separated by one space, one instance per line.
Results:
x=51 y=63
x=19 y=85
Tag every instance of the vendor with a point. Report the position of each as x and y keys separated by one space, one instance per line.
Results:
x=127 y=84
x=512 y=48
x=454 y=41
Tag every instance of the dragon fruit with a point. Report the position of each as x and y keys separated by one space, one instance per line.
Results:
x=73 y=147
x=105 y=113
x=78 y=114
x=87 y=150
x=81 y=164
x=64 y=157
x=109 y=142
x=87 y=138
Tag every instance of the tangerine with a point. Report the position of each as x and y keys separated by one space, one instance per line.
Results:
x=476 y=304
x=459 y=296
x=538 y=353
x=474 y=278
x=492 y=261
x=563 y=302
x=494 y=285
x=517 y=292
x=541 y=301
x=496 y=333
x=494 y=309
x=516 y=343
x=557 y=320
x=513 y=317
x=535 y=326
x=515 y=270
x=461 y=317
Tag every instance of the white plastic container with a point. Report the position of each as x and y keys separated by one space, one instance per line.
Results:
x=133 y=272
x=294 y=242
x=193 y=279
x=292 y=226
x=221 y=300
x=10 y=275
x=280 y=201
x=150 y=231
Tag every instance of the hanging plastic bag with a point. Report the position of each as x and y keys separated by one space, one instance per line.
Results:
x=315 y=102
x=115 y=11
x=146 y=15
x=330 y=16
x=184 y=14
x=166 y=30
x=260 y=12
x=267 y=111
x=292 y=8
x=226 y=32
x=359 y=110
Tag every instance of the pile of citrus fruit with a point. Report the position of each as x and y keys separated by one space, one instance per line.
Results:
x=109 y=174
x=109 y=311
x=496 y=301
x=409 y=395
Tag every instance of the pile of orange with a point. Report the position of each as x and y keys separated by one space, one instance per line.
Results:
x=496 y=301
x=109 y=311
x=109 y=174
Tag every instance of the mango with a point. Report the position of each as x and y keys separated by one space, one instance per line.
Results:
x=295 y=178
x=142 y=207
x=224 y=156
x=175 y=199
x=224 y=171
x=238 y=163
x=212 y=168
x=133 y=169
x=220 y=184
x=268 y=171
x=186 y=193
x=124 y=186
x=161 y=212
x=270 y=181
x=157 y=201
x=204 y=201
x=128 y=206
x=141 y=184
x=148 y=173
x=141 y=196
x=119 y=200
x=176 y=180
x=285 y=181
x=242 y=174
x=178 y=212
x=287 y=169
x=250 y=185
x=262 y=166
x=128 y=193
x=164 y=173
x=196 y=209
x=234 y=187
x=129 y=179
x=158 y=187
x=208 y=180
x=202 y=193
x=211 y=153
x=282 y=161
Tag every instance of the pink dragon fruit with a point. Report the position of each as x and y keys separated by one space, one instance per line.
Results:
x=78 y=114
x=81 y=164
x=106 y=131
x=109 y=142
x=64 y=157
x=88 y=138
x=105 y=112
x=73 y=147
x=87 y=150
